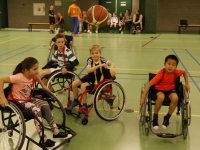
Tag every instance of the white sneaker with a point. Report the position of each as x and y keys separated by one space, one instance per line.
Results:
x=96 y=32
x=89 y=31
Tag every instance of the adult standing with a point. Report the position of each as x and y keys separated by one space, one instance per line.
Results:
x=74 y=11
x=52 y=19
x=137 y=21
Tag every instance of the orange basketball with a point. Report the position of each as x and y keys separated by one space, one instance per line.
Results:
x=97 y=15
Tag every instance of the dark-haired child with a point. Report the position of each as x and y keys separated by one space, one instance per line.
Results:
x=22 y=80
x=164 y=82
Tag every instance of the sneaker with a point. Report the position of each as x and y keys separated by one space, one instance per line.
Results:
x=89 y=31
x=73 y=104
x=134 y=32
x=155 y=124
x=165 y=123
x=49 y=143
x=85 y=108
x=96 y=32
x=120 y=29
x=62 y=135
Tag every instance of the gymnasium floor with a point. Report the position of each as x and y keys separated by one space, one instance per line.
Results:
x=134 y=57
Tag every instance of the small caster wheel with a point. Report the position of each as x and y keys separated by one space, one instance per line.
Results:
x=68 y=112
x=84 y=121
x=10 y=133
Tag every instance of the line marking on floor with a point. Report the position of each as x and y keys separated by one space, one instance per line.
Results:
x=14 y=50
x=186 y=70
x=151 y=40
x=9 y=40
x=192 y=57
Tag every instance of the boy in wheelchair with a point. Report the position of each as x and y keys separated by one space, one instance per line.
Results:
x=62 y=59
x=96 y=69
x=23 y=80
x=164 y=82
x=68 y=39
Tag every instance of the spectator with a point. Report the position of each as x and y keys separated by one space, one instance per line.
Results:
x=114 y=21
x=128 y=18
x=84 y=21
x=80 y=24
x=137 y=21
x=108 y=22
x=60 y=20
x=121 y=22
x=51 y=19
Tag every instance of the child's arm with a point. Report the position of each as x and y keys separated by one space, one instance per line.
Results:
x=148 y=85
x=185 y=75
x=112 y=65
x=41 y=83
x=3 y=99
x=50 y=44
x=92 y=69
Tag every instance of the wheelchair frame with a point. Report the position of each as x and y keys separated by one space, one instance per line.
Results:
x=99 y=94
x=25 y=116
x=145 y=114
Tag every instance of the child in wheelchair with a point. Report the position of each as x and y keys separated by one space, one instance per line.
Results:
x=164 y=82
x=22 y=80
x=68 y=39
x=62 y=59
x=96 y=69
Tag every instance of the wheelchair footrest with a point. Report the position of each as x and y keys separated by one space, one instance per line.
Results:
x=166 y=135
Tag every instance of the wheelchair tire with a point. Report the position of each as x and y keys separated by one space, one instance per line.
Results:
x=51 y=52
x=60 y=84
x=12 y=127
x=109 y=100
x=142 y=112
x=73 y=49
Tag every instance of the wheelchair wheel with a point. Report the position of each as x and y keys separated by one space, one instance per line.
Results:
x=51 y=52
x=109 y=100
x=73 y=49
x=12 y=128
x=142 y=112
x=59 y=84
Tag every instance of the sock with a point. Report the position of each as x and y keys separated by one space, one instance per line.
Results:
x=56 y=131
x=85 y=105
x=155 y=116
x=168 y=116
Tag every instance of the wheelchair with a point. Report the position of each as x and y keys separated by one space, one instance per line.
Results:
x=54 y=48
x=107 y=97
x=14 y=117
x=183 y=109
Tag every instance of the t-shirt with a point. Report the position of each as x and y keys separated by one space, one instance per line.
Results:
x=91 y=63
x=21 y=87
x=60 y=18
x=64 y=56
x=51 y=12
x=68 y=39
x=166 y=81
x=74 y=11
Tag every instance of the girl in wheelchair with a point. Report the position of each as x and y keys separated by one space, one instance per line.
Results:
x=96 y=69
x=23 y=80
x=164 y=82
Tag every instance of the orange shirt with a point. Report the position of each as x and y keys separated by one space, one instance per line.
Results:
x=166 y=81
x=74 y=11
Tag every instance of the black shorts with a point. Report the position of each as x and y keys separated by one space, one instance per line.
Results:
x=91 y=83
x=166 y=93
x=52 y=21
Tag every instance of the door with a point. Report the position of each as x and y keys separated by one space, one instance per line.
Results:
x=122 y=5
x=109 y=4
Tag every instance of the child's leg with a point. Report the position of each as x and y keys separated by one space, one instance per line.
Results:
x=174 y=101
x=75 y=85
x=44 y=72
x=83 y=88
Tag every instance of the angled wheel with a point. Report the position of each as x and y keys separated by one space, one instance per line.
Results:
x=51 y=52
x=59 y=84
x=109 y=100
x=12 y=128
x=142 y=112
x=73 y=49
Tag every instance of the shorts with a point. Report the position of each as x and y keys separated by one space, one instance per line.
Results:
x=166 y=93
x=91 y=83
x=52 y=21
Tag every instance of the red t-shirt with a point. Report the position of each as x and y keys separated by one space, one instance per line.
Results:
x=166 y=81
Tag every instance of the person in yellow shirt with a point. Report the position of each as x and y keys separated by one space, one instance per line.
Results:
x=74 y=11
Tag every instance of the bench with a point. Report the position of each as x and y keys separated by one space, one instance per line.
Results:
x=189 y=25
x=34 y=23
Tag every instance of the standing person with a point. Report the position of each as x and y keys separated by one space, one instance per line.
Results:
x=23 y=80
x=128 y=18
x=80 y=24
x=121 y=22
x=60 y=20
x=96 y=69
x=51 y=19
x=85 y=21
x=74 y=11
x=137 y=21
x=164 y=82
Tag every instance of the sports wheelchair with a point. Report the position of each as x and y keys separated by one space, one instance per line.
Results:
x=54 y=48
x=107 y=97
x=13 y=118
x=145 y=113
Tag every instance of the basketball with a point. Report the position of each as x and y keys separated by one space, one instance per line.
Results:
x=97 y=16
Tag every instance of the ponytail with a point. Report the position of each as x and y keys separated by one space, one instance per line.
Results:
x=27 y=63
